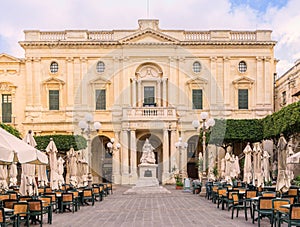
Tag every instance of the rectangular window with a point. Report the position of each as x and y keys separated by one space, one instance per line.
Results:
x=6 y=108
x=53 y=99
x=101 y=99
x=197 y=99
x=284 y=98
x=243 y=99
x=149 y=97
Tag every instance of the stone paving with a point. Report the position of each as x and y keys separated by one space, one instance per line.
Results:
x=175 y=209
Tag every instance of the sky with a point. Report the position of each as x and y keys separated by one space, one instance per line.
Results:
x=280 y=16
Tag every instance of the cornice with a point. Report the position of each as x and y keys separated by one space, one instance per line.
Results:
x=57 y=44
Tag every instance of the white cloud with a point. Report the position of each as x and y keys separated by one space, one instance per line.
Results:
x=19 y=15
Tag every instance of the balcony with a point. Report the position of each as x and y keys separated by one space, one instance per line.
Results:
x=149 y=113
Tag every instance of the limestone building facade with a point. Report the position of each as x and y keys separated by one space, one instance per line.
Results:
x=287 y=87
x=139 y=83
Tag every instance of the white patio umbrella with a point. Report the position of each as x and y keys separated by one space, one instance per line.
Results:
x=42 y=175
x=52 y=151
x=257 y=155
x=13 y=149
x=266 y=166
x=3 y=177
x=60 y=171
x=28 y=183
x=228 y=167
x=223 y=167
x=283 y=183
x=72 y=163
x=13 y=173
x=237 y=166
x=247 y=165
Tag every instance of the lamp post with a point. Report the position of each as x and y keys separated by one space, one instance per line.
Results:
x=206 y=124
x=86 y=128
x=112 y=148
x=181 y=146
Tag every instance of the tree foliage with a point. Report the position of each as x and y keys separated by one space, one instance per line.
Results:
x=62 y=142
x=286 y=121
x=11 y=130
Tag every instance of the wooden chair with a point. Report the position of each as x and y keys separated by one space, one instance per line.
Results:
x=88 y=196
x=97 y=194
x=3 y=197
x=269 y=194
x=222 y=193
x=293 y=217
x=264 y=209
x=54 y=201
x=278 y=211
x=291 y=198
x=109 y=188
x=9 y=203
x=77 y=201
x=294 y=192
x=4 y=220
x=21 y=213
x=47 y=206
x=36 y=210
x=67 y=200
x=249 y=194
x=237 y=205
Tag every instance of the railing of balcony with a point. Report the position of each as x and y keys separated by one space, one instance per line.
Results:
x=142 y=112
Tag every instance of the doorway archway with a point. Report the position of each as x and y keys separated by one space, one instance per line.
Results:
x=193 y=150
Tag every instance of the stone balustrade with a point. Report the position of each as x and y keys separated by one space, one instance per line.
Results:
x=141 y=113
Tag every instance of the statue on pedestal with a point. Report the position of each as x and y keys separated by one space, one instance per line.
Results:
x=148 y=156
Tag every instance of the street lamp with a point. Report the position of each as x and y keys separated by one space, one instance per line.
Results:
x=206 y=125
x=113 y=148
x=181 y=146
x=86 y=128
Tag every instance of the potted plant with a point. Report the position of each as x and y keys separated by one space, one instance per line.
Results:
x=179 y=185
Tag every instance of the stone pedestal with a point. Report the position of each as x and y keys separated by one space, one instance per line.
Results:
x=147 y=177
x=147 y=182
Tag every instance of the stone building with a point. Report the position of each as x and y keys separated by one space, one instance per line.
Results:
x=287 y=87
x=138 y=83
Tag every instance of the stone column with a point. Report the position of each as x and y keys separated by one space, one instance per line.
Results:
x=159 y=104
x=69 y=84
x=37 y=81
x=133 y=161
x=174 y=154
x=85 y=81
x=166 y=158
x=116 y=161
x=260 y=83
x=164 y=101
x=140 y=97
x=134 y=101
x=124 y=157
x=29 y=83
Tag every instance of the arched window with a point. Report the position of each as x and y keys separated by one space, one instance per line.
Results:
x=196 y=67
x=100 y=67
x=242 y=67
x=54 y=67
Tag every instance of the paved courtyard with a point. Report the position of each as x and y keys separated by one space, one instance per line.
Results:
x=175 y=209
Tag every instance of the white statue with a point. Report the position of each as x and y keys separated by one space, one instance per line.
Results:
x=148 y=154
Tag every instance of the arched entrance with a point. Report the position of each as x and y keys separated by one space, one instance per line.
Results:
x=156 y=143
x=193 y=150
x=101 y=159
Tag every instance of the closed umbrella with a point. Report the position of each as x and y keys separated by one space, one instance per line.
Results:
x=60 y=171
x=52 y=151
x=237 y=166
x=247 y=164
x=257 y=155
x=13 y=173
x=42 y=175
x=228 y=167
x=266 y=166
x=28 y=183
x=3 y=177
x=283 y=183
x=72 y=167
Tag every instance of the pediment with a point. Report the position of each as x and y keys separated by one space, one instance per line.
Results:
x=196 y=80
x=8 y=58
x=243 y=80
x=148 y=36
x=54 y=80
x=100 y=80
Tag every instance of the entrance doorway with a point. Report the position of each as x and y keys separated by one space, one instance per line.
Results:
x=156 y=143
x=193 y=150
x=101 y=159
